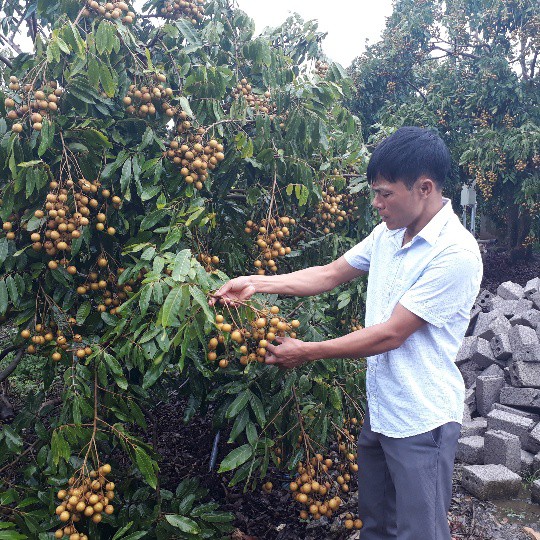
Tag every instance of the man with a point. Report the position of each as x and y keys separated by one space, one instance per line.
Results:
x=424 y=275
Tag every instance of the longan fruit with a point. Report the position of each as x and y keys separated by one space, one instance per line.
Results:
x=64 y=516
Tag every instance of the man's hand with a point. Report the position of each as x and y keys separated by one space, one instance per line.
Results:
x=236 y=290
x=290 y=353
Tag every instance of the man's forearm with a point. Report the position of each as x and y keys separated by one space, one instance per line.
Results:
x=369 y=341
x=307 y=282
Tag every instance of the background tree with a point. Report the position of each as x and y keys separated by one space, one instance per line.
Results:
x=141 y=164
x=468 y=69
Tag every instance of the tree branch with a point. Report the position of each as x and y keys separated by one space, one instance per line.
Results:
x=6 y=61
x=10 y=43
x=452 y=53
x=11 y=368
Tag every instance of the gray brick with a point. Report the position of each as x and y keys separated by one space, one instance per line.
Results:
x=523 y=305
x=535 y=299
x=484 y=299
x=536 y=464
x=492 y=371
x=469 y=372
x=521 y=397
x=488 y=482
x=500 y=345
x=527 y=460
x=470 y=399
x=482 y=354
x=525 y=374
x=535 y=491
x=477 y=426
x=532 y=286
x=524 y=343
x=488 y=390
x=510 y=291
x=533 y=442
x=511 y=423
x=470 y=450
x=530 y=318
x=464 y=353
x=504 y=307
x=488 y=325
x=502 y=448
x=526 y=414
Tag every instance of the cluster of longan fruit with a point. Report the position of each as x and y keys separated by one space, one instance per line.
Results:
x=68 y=207
x=150 y=97
x=87 y=497
x=355 y=325
x=10 y=226
x=49 y=334
x=250 y=343
x=261 y=104
x=194 y=158
x=32 y=104
x=335 y=208
x=208 y=261
x=352 y=522
x=270 y=241
x=536 y=160
x=113 y=294
x=484 y=119
x=508 y=120
x=321 y=68
x=178 y=9
x=310 y=490
x=520 y=165
x=109 y=10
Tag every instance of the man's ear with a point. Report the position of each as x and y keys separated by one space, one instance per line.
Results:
x=427 y=186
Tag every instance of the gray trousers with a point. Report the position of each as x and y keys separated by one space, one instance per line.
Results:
x=405 y=485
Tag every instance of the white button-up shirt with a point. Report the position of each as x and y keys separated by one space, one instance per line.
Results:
x=417 y=387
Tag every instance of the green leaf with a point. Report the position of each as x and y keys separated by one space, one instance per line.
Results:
x=59 y=447
x=172 y=306
x=258 y=409
x=4 y=249
x=238 y=404
x=107 y=80
x=181 y=265
x=3 y=297
x=125 y=179
x=147 y=466
x=236 y=458
x=83 y=312
x=184 y=103
x=183 y=523
x=201 y=299
x=47 y=136
x=188 y=31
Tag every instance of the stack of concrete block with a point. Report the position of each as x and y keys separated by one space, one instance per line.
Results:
x=500 y=363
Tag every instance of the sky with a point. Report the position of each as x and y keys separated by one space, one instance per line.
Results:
x=348 y=23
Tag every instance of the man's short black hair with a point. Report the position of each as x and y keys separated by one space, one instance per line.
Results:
x=408 y=154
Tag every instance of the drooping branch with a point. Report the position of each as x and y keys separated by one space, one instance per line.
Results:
x=14 y=363
x=461 y=53
x=9 y=43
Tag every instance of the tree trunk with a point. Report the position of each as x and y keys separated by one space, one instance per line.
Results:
x=518 y=228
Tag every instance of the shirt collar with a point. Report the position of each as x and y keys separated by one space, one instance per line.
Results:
x=433 y=229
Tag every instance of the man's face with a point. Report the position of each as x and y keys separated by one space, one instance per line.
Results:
x=398 y=206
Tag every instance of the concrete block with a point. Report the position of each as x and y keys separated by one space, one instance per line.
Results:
x=532 y=286
x=527 y=460
x=501 y=448
x=464 y=353
x=500 y=345
x=488 y=482
x=526 y=414
x=521 y=397
x=466 y=415
x=492 y=371
x=533 y=442
x=531 y=318
x=488 y=390
x=535 y=492
x=525 y=374
x=511 y=423
x=535 y=299
x=536 y=464
x=488 y=325
x=482 y=354
x=505 y=307
x=524 y=343
x=484 y=299
x=523 y=305
x=510 y=291
x=470 y=450
x=469 y=372
x=478 y=426
x=470 y=399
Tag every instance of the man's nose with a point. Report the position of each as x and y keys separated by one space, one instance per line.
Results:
x=376 y=202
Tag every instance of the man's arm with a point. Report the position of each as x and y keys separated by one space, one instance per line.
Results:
x=307 y=282
x=370 y=341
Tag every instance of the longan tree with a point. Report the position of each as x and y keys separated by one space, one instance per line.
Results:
x=145 y=158
x=468 y=69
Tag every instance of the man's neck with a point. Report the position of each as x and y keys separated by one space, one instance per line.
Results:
x=414 y=228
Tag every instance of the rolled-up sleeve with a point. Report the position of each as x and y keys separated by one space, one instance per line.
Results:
x=448 y=285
